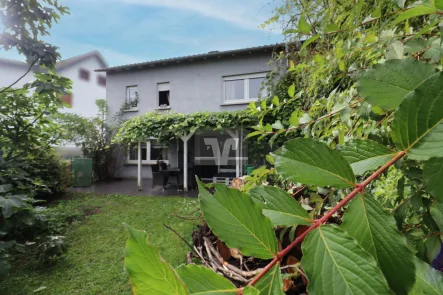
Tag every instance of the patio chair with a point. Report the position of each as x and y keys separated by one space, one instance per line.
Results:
x=158 y=177
x=163 y=166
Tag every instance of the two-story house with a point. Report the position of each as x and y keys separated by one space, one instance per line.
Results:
x=87 y=85
x=215 y=81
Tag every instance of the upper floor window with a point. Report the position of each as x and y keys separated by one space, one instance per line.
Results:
x=67 y=99
x=243 y=87
x=101 y=80
x=84 y=74
x=163 y=95
x=131 y=97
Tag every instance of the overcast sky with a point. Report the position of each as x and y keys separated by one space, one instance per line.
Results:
x=128 y=31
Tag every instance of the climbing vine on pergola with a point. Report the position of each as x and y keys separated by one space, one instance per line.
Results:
x=165 y=126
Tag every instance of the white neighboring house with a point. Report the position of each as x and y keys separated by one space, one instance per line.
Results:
x=87 y=85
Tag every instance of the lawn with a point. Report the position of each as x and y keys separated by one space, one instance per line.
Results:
x=94 y=261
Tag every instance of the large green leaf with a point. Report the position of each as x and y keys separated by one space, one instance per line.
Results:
x=418 y=123
x=436 y=210
x=336 y=264
x=376 y=231
x=248 y=290
x=271 y=283
x=310 y=162
x=429 y=281
x=238 y=221
x=433 y=175
x=8 y=203
x=432 y=247
x=365 y=155
x=148 y=272
x=279 y=206
x=418 y=10
x=303 y=25
x=386 y=85
x=202 y=280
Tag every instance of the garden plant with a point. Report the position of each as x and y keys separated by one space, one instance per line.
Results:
x=360 y=169
x=29 y=168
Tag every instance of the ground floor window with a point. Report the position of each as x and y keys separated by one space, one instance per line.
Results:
x=152 y=152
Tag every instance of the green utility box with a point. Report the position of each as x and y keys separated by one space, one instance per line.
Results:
x=249 y=169
x=81 y=172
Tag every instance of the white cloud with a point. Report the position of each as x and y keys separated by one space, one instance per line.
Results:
x=70 y=49
x=182 y=40
x=246 y=14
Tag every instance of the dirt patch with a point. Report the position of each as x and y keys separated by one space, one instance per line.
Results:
x=91 y=211
x=239 y=269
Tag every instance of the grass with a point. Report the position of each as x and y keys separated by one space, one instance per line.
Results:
x=94 y=261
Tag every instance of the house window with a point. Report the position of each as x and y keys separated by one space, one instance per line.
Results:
x=133 y=152
x=243 y=87
x=163 y=95
x=158 y=151
x=84 y=74
x=101 y=80
x=152 y=152
x=131 y=98
x=67 y=99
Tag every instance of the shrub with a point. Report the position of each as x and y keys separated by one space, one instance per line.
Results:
x=371 y=97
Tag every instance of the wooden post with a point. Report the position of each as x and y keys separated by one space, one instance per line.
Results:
x=237 y=154
x=241 y=152
x=139 y=166
x=236 y=136
x=185 y=139
x=185 y=164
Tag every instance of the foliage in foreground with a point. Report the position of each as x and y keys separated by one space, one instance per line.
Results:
x=366 y=253
x=28 y=165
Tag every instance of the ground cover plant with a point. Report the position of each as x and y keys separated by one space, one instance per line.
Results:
x=93 y=263
x=368 y=85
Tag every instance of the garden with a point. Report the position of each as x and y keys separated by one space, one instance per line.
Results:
x=349 y=202
x=92 y=224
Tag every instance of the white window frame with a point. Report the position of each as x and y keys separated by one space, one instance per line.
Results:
x=245 y=79
x=131 y=109
x=148 y=160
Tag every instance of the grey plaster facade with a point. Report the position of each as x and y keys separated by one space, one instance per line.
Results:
x=195 y=85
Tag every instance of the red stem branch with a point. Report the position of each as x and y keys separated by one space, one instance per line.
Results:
x=358 y=188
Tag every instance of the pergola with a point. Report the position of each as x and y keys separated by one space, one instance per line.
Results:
x=165 y=126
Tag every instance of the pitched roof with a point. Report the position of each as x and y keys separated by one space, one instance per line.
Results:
x=63 y=63
x=13 y=62
x=175 y=60
x=73 y=60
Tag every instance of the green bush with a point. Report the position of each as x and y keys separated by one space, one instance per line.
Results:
x=42 y=176
x=50 y=174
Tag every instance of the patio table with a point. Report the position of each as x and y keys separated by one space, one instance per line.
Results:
x=170 y=172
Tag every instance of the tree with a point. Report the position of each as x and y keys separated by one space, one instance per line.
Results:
x=26 y=119
x=93 y=136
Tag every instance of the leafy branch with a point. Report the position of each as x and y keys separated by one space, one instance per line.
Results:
x=358 y=189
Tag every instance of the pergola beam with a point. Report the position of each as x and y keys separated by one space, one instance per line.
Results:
x=235 y=135
x=139 y=167
x=185 y=138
